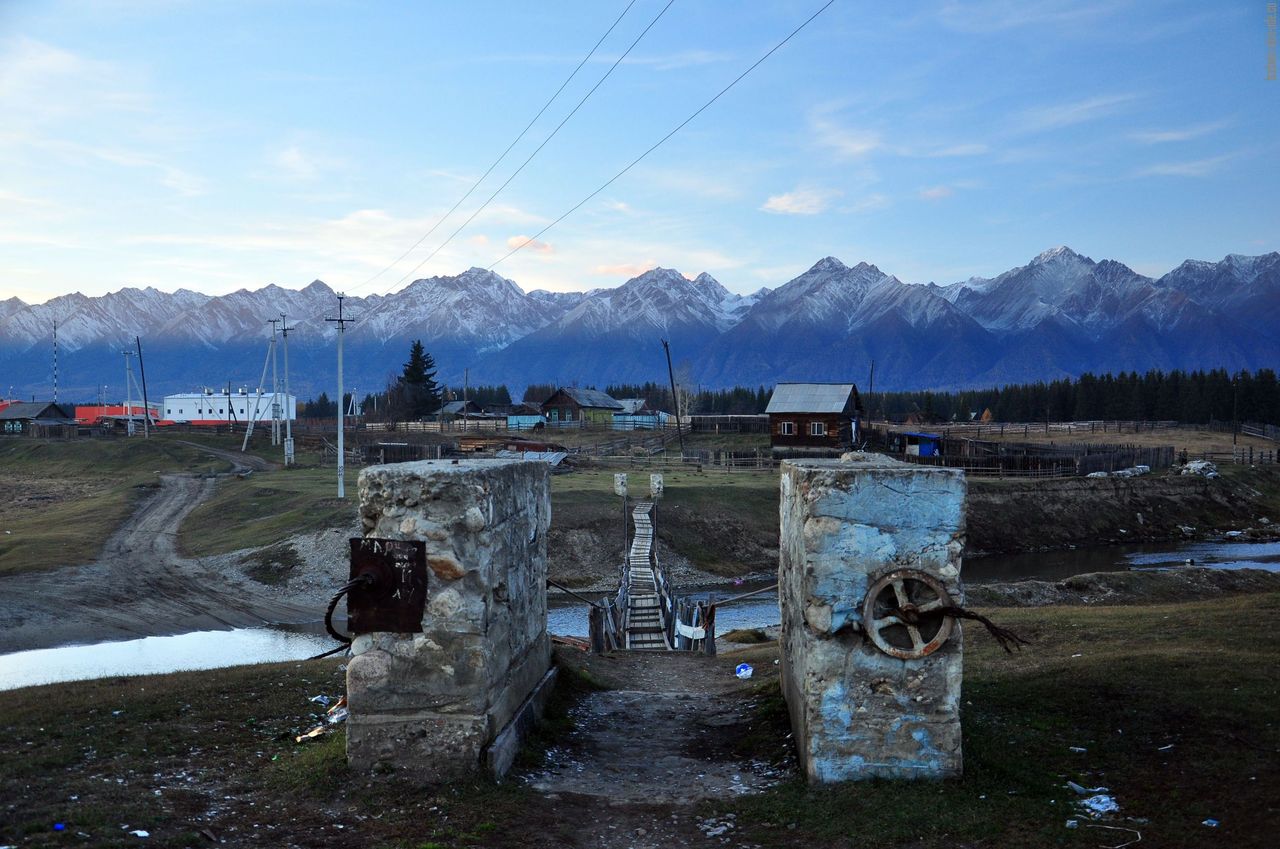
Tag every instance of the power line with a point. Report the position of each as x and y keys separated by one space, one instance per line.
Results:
x=662 y=140
x=504 y=153
x=574 y=111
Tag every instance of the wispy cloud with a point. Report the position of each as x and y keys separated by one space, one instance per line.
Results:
x=869 y=203
x=1187 y=168
x=1077 y=112
x=625 y=269
x=847 y=142
x=528 y=243
x=936 y=192
x=802 y=201
x=1177 y=134
x=996 y=16
x=298 y=164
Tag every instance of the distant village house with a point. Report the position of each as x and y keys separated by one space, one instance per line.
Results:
x=587 y=406
x=813 y=418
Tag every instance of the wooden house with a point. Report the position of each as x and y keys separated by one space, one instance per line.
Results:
x=586 y=406
x=38 y=418
x=814 y=418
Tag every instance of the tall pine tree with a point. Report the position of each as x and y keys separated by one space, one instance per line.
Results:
x=418 y=382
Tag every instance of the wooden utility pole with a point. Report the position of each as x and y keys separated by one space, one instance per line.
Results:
x=146 y=408
x=675 y=397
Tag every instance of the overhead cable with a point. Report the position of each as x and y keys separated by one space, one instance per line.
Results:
x=504 y=153
x=531 y=239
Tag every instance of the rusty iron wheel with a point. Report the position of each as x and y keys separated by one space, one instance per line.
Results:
x=896 y=614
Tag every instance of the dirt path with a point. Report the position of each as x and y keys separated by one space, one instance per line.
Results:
x=140 y=586
x=640 y=756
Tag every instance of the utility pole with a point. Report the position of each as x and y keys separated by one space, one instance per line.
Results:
x=675 y=398
x=128 y=396
x=288 y=413
x=342 y=327
x=257 y=401
x=55 y=362
x=146 y=408
x=275 y=386
x=871 y=387
x=466 y=390
x=1235 y=409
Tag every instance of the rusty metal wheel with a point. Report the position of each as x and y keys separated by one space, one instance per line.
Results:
x=900 y=614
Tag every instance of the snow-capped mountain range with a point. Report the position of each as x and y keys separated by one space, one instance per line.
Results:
x=1058 y=315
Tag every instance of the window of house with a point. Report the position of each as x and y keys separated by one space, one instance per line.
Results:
x=817 y=428
x=787 y=428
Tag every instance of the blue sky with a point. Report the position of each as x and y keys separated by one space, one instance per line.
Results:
x=221 y=145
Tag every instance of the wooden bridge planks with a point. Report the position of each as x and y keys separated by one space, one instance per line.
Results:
x=645 y=631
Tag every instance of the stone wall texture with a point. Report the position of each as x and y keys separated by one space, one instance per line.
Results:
x=856 y=711
x=430 y=703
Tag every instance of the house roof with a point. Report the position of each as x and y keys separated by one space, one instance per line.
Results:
x=34 y=410
x=810 y=397
x=455 y=407
x=631 y=406
x=590 y=398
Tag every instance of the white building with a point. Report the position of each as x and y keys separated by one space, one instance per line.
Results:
x=216 y=406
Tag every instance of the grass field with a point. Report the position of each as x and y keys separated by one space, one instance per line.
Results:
x=1173 y=705
x=65 y=498
x=268 y=507
x=718 y=521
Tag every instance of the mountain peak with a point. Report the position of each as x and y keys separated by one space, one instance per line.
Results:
x=1061 y=252
x=829 y=263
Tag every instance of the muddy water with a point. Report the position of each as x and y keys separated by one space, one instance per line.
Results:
x=212 y=649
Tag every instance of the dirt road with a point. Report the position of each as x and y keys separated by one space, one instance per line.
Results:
x=140 y=586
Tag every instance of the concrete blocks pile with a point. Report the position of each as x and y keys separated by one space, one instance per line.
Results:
x=858 y=712
x=431 y=703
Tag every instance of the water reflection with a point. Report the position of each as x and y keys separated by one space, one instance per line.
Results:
x=213 y=649
x=150 y=655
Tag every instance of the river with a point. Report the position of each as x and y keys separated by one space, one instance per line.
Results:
x=213 y=649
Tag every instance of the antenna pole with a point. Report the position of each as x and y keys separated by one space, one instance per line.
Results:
x=342 y=327
x=675 y=398
x=288 y=413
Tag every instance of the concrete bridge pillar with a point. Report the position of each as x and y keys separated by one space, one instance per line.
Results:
x=870 y=697
x=449 y=702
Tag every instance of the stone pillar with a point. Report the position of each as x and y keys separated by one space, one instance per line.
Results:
x=856 y=711
x=432 y=703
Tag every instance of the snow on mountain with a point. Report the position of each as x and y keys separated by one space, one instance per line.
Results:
x=1061 y=313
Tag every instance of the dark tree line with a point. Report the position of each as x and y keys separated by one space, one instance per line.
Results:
x=1195 y=397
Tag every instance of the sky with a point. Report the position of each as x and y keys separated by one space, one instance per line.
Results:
x=223 y=145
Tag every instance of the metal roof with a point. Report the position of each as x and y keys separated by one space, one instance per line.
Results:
x=810 y=397
x=34 y=410
x=590 y=398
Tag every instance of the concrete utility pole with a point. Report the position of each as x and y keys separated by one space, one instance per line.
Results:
x=342 y=327
x=275 y=386
x=257 y=401
x=288 y=414
x=128 y=397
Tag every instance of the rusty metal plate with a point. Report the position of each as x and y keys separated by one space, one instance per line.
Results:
x=397 y=595
x=900 y=614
